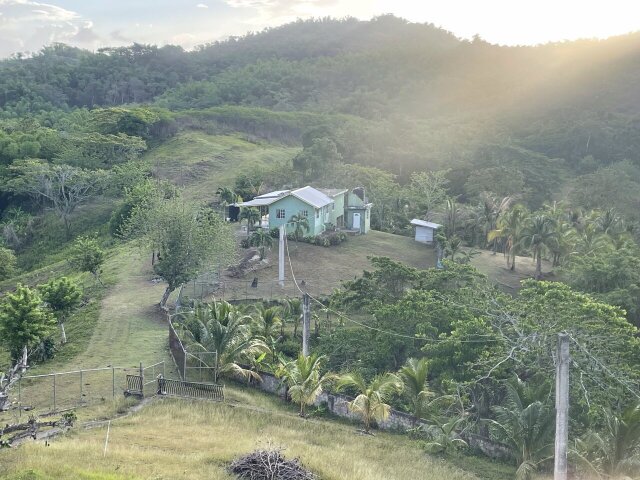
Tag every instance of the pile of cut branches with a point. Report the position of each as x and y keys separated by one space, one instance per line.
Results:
x=13 y=434
x=269 y=465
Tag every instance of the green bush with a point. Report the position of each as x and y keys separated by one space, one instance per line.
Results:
x=290 y=347
x=244 y=243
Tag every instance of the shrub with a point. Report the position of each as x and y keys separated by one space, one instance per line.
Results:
x=290 y=347
x=244 y=243
x=274 y=232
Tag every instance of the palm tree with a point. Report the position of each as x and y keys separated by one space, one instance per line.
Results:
x=445 y=436
x=451 y=215
x=414 y=376
x=300 y=225
x=509 y=228
x=371 y=402
x=251 y=215
x=492 y=208
x=292 y=313
x=265 y=325
x=227 y=197
x=526 y=424
x=609 y=222
x=453 y=246
x=591 y=238
x=261 y=238
x=221 y=328
x=303 y=379
x=539 y=234
x=614 y=451
x=267 y=320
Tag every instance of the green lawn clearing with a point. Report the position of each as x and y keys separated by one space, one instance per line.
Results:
x=323 y=269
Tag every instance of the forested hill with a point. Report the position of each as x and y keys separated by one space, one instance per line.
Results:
x=400 y=96
x=375 y=68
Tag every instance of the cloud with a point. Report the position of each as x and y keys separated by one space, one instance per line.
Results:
x=117 y=36
x=269 y=12
x=202 y=5
x=27 y=25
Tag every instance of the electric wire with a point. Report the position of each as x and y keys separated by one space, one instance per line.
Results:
x=364 y=325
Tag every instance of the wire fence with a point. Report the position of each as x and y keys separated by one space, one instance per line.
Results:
x=196 y=365
x=47 y=393
x=253 y=289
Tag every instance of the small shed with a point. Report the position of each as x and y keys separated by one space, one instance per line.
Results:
x=425 y=231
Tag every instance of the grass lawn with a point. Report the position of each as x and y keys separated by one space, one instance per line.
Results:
x=495 y=267
x=174 y=439
x=324 y=268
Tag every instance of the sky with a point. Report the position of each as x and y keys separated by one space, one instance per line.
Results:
x=27 y=25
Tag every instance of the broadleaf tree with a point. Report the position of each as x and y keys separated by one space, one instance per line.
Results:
x=189 y=239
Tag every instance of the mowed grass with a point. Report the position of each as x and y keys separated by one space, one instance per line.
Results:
x=495 y=267
x=323 y=269
x=202 y=163
x=178 y=439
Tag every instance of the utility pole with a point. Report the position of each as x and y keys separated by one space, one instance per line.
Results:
x=562 y=408
x=281 y=255
x=306 y=323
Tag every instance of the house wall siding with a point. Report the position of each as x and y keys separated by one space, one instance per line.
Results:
x=337 y=210
x=292 y=206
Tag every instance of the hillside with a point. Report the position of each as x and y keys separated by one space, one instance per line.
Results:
x=118 y=172
x=197 y=440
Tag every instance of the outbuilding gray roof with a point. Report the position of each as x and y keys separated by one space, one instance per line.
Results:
x=423 y=223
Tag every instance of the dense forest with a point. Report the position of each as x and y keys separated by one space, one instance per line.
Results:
x=522 y=151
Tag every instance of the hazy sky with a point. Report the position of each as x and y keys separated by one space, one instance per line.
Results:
x=27 y=25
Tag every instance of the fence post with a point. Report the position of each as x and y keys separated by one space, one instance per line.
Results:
x=20 y=397
x=141 y=379
x=184 y=364
x=81 y=386
x=54 y=392
x=163 y=372
x=113 y=382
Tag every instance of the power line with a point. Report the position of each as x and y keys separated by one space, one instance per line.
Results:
x=604 y=367
x=364 y=325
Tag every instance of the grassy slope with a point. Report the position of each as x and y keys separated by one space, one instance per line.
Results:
x=201 y=163
x=196 y=440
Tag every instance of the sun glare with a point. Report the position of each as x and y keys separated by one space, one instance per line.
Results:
x=513 y=22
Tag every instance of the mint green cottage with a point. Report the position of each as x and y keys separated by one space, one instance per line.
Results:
x=325 y=209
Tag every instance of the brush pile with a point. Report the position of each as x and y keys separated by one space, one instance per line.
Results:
x=269 y=465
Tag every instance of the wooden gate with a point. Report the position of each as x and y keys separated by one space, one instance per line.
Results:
x=180 y=388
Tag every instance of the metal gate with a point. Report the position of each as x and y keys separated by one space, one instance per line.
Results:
x=180 y=388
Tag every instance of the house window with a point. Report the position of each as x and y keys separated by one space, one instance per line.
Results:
x=280 y=213
x=318 y=213
x=305 y=213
